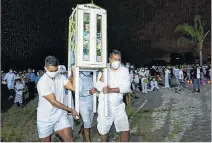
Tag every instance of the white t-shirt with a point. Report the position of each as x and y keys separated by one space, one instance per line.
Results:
x=147 y=73
x=118 y=79
x=46 y=86
x=180 y=74
x=136 y=80
x=177 y=72
x=167 y=72
x=10 y=78
x=198 y=73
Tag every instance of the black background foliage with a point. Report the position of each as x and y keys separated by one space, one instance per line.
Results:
x=34 y=29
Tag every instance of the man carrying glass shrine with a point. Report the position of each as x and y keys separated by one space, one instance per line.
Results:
x=86 y=102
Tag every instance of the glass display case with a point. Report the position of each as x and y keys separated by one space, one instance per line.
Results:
x=87 y=46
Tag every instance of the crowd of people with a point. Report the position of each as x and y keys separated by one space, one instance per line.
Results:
x=18 y=84
x=54 y=86
x=147 y=79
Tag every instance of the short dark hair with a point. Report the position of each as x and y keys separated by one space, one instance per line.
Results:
x=51 y=61
x=115 y=52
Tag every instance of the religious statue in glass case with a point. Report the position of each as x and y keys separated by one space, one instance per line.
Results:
x=99 y=39
x=87 y=44
x=86 y=37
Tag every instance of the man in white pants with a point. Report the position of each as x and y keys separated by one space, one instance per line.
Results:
x=143 y=78
x=118 y=84
x=51 y=111
x=167 y=73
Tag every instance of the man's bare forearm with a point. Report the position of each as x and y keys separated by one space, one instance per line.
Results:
x=61 y=106
x=114 y=90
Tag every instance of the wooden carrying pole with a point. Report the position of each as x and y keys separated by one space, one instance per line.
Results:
x=77 y=90
x=105 y=95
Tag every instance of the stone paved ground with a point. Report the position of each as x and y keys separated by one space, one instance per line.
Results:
x=179 y=117
x=158 y=116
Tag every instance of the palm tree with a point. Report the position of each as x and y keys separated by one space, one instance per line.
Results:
x=193 y=34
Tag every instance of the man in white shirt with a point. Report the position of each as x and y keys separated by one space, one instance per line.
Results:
x=118 y=84
x=210 y=73
x=10 y=79
x=181 y=76
x=167 y=73
x=143 y=84
x=177 y=72
x=51 y=111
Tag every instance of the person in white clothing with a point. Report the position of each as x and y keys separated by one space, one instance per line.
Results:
x=204 y=67
x=143 y=84
x=131 y=76
x=167 y=75
x=19 y=92
x=68 y=99
x=181 y=76
x=51 y=111
x=177 y=70
x=136 y=81
x=154 y=85
x=118 y=84
x=210 y=73
x=10 y=79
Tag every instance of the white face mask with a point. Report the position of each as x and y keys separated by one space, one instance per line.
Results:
x=52 y=74
x=116 y=64
x=86 y=73
x=11 y=71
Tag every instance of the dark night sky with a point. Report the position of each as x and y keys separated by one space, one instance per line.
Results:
x=34 y=29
